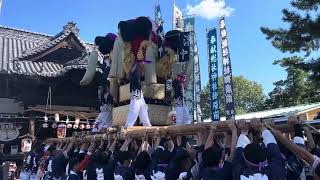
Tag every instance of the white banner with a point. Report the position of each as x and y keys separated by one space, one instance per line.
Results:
x=177 y=18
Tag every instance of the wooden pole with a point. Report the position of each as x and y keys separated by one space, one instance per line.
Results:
x=190 y=129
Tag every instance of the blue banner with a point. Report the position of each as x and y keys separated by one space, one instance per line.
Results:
x=213 y=73
x=227 y=73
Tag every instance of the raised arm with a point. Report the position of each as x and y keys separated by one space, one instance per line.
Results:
x=102 y=142
x=234 y=137
x=113 y=144
x=311 y=143
x=67 y=151
x=125 y=145
x=84 y=163
x=209 y=141
x=297 y=150
x=275 y=163
x=242 y=142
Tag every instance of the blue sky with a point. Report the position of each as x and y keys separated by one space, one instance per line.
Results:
x=251 y=54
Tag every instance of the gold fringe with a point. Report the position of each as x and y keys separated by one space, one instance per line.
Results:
x=128 y=58
x=165 y=64
x=142 y=50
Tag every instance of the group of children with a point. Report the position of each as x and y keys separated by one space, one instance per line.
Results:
x=248 y=151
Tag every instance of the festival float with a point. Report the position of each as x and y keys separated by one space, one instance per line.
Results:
x=53 y=83
x=157 y=72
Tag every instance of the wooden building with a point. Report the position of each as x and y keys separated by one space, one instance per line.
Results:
x=31 y=64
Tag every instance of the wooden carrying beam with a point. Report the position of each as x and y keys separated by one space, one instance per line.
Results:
x=190 y=129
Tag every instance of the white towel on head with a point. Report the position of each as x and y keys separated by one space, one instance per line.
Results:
x=117 y=177
x=257 y=176
x=100 y=175
x=158 y=176
x=183 y=175
x=46 y=147
x=140 y=177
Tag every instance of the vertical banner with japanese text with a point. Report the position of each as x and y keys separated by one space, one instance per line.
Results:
x=177 y=21
x=193 y=67
x=197 y=80
x=188 y=67
x=227 y=72
x=158 y=15
x=213 y=73
x=160 y=30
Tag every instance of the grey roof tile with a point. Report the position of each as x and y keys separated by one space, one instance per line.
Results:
x=16 y=44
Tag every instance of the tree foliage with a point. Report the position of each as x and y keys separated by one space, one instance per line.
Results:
x=295 y=89
x=248 y=96
x=302 y=35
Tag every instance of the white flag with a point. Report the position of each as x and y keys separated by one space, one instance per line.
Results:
x=0 y=5
x=177 y=18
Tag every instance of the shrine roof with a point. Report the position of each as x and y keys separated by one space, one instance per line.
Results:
x=25 y=52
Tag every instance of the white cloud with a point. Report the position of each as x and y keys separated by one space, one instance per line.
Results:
x=210 y=9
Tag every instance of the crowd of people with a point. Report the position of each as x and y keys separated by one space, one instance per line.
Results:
x=248 y=151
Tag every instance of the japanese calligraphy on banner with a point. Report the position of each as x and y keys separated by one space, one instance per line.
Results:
x=192 y=67
x=197 y=80
x=159 y=31
x=184 y=50
x=188 y=68
x=213 y=73
x=227 y=72
x=158 y=15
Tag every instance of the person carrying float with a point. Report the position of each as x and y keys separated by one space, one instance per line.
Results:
x=138 y=106
x=103 y=44
x=105 y=100
x=180 y=110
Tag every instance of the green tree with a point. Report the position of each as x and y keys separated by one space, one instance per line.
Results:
x=248 y=96
x=295 y=89
x=301 y=36
x=291 y=91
